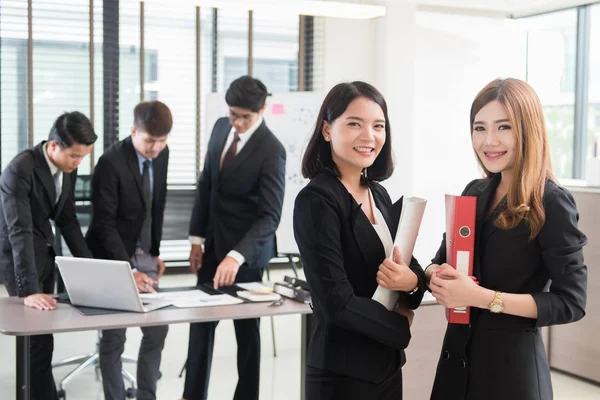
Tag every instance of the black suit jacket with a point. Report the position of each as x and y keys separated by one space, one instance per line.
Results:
x=28 y=204
x=501 y=356
x=239 y=208
x=353 y=335
x=118 y=202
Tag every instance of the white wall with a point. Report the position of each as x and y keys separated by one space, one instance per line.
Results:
x=430 y=67
x=348 y=51
x=456 y=57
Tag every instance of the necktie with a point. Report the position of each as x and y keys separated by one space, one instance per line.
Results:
x=231 y=151
x=146 y=235
x=57 y=185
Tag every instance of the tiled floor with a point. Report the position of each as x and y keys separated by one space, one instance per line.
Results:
x=280 y=376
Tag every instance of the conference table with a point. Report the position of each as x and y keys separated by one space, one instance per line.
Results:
x=23 y=322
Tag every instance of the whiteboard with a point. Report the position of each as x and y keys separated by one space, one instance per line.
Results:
x=292 y=118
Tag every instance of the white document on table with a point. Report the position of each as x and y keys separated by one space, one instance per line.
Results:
x=411 y=216
x=192 y=298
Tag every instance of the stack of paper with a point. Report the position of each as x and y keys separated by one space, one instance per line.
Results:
x=257 y=291
x=192 y=298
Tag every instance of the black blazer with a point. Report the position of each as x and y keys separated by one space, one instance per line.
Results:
x=118 y=202
x=352 y=335
x=28 y=194
x=501 y=356
x=239 y=208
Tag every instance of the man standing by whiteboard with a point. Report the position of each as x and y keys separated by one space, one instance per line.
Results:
x=239 y=198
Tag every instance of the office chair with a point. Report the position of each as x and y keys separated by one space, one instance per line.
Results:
x=290 y=258
x=84 y=210
x=90 y=360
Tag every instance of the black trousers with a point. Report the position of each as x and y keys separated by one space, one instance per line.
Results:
x=42 y=346
x=327 y=385
x=201 y=343
x=200 y=352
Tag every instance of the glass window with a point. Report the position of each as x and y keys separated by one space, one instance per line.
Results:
x=551 y=56
x=98 y=119
x=170 y=76
x=61 y=68
x=317 y=54
x=129 y=63
x=232 y=46
x=275 y=51
x=593 y=121
x=13 y=58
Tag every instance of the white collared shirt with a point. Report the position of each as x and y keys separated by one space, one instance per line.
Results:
x=53 y=168
x=382 y=228
x=244 y=137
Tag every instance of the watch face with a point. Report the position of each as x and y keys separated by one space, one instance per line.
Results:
x=496 y=308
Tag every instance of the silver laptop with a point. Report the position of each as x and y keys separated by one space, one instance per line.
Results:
x=103 y=284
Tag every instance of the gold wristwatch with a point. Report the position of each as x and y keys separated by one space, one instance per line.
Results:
x=497 y=305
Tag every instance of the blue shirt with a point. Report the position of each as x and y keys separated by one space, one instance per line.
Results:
x=141 y=160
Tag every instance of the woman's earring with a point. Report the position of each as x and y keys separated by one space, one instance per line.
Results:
x=364 y=173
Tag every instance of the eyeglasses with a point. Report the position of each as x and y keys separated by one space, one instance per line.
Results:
x=245 y=118
x=277 y=303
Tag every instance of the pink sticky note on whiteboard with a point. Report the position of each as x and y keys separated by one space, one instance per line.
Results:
x=278 y=109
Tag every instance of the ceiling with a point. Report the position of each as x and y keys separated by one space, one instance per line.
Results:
x=499 y=8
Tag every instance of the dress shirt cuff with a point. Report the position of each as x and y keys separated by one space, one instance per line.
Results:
x=196 y=240
x=237 y=257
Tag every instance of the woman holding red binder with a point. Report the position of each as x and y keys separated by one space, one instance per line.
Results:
x=528 y=257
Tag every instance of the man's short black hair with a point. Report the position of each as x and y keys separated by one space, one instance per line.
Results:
x=72 y=128
x=153 y=117
x=247 y=92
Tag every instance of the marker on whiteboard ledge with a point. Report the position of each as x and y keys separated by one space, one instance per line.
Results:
x=278 y=109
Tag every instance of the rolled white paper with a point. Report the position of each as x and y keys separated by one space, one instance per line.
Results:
x=411 y=216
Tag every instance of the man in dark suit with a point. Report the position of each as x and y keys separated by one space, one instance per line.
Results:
x=129 y=189
x=236 y=213
x=37 y=186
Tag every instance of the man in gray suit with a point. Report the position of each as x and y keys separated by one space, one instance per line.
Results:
x=129 y=190
x=37 y=186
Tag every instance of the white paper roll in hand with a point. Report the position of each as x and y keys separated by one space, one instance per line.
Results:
x=411 y=216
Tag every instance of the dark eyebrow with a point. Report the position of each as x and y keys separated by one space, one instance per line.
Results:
x=496 y=122
x=362 y=120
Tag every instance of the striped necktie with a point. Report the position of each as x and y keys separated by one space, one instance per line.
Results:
x=57 y=185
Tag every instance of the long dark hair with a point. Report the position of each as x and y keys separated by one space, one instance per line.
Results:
x=318 y=159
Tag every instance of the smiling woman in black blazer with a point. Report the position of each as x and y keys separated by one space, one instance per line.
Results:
x=528 y=257
x=344 y=223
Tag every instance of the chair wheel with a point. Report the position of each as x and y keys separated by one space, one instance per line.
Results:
x=131 y=393
x=61 y=394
